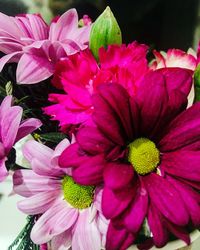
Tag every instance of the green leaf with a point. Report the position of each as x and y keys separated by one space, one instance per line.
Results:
x=54 y=137
x=23 y=240
x=197 y=84
x=105 y=31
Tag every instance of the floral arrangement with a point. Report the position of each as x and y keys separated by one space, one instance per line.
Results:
x=115 y=149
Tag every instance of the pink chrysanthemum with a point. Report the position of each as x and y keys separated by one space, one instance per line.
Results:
x=12 y=130
x=80 y=75
x=28 y=40
x=70 y=214
x=145 y=149
x=174 y=58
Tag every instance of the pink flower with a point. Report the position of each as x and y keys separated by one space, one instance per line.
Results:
x=12 y=130
x=174 y=58
x=80 y=75
x=28 y=40
x=70 y=214
x=145 y=150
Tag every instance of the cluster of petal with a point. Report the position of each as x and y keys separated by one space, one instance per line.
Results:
x=80 y=75
x=28 y=40
x=174 y=58
x=12 y=129
x=157 y=112
x=59 y=222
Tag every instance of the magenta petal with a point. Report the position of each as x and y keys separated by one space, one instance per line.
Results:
x=114 y=204
x=189 y=197
x=157 y=226
x=33 y=68
x=117 y=176
x=90 y=172
x=72 y=156
x=118 y=239
x=187 y=124
x=27 y=127
x=93 y=141
x=135 y=215
x=179 y=232
x=184 y=164
x=54 y=221
x=112 y=113
x=166 y=198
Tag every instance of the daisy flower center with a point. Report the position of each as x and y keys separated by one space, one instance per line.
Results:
x=143 y=155
x=76 y=195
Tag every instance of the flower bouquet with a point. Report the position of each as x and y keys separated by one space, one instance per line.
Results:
x=113 y=159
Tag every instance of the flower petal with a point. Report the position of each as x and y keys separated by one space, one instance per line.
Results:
x=62 y=241
x=54 y=221
x=33 y=68
x=166 y=198
x=27 y=127
x=118 y=176
x=38 y=203
x=86 y=234
x=28 y=183
x=187 y=124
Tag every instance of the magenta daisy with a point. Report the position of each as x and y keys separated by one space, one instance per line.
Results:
x=70 y=213
x=145 y=149
x=12 y=129
x=80 y=75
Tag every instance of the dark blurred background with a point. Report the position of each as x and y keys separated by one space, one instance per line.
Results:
x=161 y=23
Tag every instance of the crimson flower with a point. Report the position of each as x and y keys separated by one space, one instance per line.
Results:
x=145 y=151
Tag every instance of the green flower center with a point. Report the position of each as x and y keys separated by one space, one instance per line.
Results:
x=76 y=195
x=143 y=155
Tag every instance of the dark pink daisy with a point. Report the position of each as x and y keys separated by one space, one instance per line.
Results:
x=145 y=149
x=80 y=75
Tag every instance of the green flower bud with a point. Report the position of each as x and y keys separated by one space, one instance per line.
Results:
x=105 y=31
x=197 y=84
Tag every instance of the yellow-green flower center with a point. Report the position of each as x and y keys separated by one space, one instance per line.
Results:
x=76 y=195
x=143 y=155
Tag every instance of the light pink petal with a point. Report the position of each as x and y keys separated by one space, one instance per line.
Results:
x=38 y=27
x=178 y=58
x=64 y=27
x=9 y=58
x=27 y=183
x=27 y=127
x=58 y=150
x=62 y=241
x=9 y=126
x=86 y=234
x=42 y=153
x=55 y=221
x=33 y=68
x=9 y=25
x=43 y=169
x=3 y=170
x=38 y=203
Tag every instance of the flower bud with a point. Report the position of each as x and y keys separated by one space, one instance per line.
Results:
x=105 y=31
x=197 y=84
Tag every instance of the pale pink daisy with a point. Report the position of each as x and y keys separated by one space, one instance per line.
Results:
x=36 y=47
x=70 y=214
x=174 y=58
x=12 y=130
